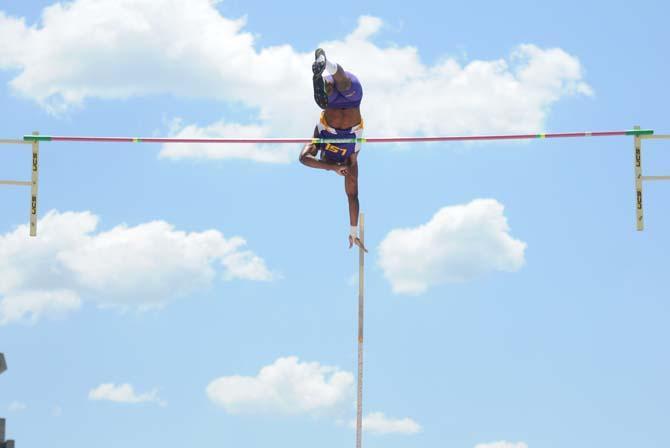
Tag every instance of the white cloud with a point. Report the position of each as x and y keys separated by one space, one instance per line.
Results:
x=113 y=49
x=30 y=305
x=141 y=267
x=378 y=423
x=502 y=444
x=123 y=393
x=287 y=386
x=17 y=406
x=258 y=153
x=459 y=243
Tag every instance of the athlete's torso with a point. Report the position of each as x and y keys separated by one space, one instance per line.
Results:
x=337 y=152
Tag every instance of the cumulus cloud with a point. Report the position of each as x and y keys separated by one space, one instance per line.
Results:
x=502 y=444
x=17 y=406
x=458 y=244
x=222 y=129
x=30 y=305
x=378 y=423
x=112 y=49
x=142 y=267
x=286 y=386
x=123 y=393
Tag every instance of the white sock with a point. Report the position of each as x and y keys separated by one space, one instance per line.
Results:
x=331 y=67
x=353 y=231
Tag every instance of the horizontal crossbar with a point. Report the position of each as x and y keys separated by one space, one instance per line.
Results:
x=48 y=138
x=16 y=182
x=15 y=142
x=656 y=136
x=655 y=177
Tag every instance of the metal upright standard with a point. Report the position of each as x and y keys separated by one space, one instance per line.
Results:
x=639 y=178
x=361 y=316
x=34 y=181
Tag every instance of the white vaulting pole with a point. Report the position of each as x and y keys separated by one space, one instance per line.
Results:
x=361 y=316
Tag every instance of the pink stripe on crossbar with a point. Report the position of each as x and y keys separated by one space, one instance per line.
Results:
x=310 y=140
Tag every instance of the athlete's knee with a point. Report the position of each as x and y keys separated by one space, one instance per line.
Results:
x=307 y=152
x=344 y=83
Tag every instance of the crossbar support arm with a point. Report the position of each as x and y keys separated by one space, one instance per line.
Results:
x=21 y=183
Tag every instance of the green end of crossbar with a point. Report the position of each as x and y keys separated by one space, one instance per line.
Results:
x=638 y=132
x=36 y=138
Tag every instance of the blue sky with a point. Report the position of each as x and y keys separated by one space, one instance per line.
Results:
x=510 y=301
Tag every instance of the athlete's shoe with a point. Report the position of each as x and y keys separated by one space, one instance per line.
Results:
x=318 y=66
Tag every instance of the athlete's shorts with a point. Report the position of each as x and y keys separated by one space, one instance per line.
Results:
x=346 y=99
x=337 y=153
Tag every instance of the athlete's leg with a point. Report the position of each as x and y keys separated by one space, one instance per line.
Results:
x=342 y=81
x=325 y=68
x=351 y=188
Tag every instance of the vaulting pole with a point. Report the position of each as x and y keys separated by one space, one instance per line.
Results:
x=361 y=315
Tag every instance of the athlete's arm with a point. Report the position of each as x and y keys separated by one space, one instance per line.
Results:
x=308 y=158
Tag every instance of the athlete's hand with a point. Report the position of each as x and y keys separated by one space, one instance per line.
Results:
x=341 y=170
x=358 y=243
